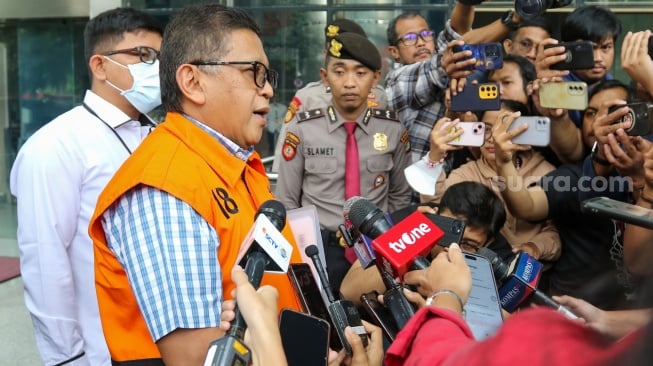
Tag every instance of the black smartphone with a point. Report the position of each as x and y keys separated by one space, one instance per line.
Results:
x=453 y=229
x=379 y=314
x=478 y=97
x=489 y=56
x=305 y=286
x=639 y=114
x=626 y=212
x=579 y=55
x=305 y=338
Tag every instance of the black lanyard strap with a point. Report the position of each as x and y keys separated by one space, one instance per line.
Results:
x=91 y=111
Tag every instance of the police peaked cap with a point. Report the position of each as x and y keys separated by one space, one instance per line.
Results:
x=340 y=26
x=352 y=46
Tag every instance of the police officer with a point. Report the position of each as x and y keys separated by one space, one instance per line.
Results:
x=318 y=95
x=313 y=168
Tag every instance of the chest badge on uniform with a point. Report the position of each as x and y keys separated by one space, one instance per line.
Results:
x=379 y=180
x=380 y=141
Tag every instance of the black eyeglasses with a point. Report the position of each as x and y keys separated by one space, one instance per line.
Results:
x=261 y=72
x=410 y=39
x=468 y=246
x=146 y=54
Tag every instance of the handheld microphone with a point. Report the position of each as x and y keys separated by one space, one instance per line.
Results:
x=398 y=248
x=518 y=281
x=371 y=221
x=343 y=313
x=361 y=244
x=267 y=251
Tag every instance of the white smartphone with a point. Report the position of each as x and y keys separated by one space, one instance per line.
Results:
x=626 y=212
x=538 y=132
x=473 y=133
x=483 y=309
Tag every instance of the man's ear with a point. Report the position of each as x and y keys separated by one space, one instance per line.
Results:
x=189 y=82
x=377 y=78
x=394 y=52
x=96 y=65
x=323 y=76
x=507 y=45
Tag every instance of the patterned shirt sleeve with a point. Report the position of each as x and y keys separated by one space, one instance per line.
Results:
x=169 y=253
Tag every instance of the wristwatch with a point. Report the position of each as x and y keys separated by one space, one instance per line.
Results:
x=506 y=19
x=595 y=155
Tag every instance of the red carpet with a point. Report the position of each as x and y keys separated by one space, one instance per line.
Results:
x=9 y=268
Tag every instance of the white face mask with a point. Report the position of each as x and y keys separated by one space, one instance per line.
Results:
x=145 y=93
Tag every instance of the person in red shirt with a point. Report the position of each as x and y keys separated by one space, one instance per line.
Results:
x=438 y=334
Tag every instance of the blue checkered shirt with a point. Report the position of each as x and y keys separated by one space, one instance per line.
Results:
x=416 y=93
x=169 y=253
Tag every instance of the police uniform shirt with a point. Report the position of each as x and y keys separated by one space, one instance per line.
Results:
x=315 y=95
x=312 y=166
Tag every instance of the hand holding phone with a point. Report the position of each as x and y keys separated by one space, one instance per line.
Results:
x=489 y=56
x=538 y=132
x=626 y=212
x=473 y=133
x=640 y=116
x=578 y=55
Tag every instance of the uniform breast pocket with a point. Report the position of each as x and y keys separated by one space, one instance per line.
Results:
x=380 y=163
x=321 y=165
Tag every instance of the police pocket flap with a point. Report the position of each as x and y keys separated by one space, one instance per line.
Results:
x=321 y=165
x=380 y=163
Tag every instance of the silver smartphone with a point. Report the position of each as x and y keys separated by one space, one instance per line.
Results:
x=483 y=309
x=538 y=132
x=626 y=212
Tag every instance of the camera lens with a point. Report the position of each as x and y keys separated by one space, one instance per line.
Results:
x=529 y=9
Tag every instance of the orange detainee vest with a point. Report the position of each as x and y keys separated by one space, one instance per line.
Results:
x=183 y=160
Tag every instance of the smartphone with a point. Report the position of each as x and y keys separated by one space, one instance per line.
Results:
x=489 y=56
x=538 y=132
x=473 y=134
x=639 y=114
x=453 y=229
x=305 y=338
x=379 y=314
x=626 y=212
x=483 y=309
x=566 y=95
x=478 y=97
x=579 y=55
x=306 y=288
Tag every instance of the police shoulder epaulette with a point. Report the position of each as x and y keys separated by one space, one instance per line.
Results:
x=308 y=115
x=385 y=114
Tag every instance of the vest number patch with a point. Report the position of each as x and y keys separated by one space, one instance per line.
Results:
x=227 y=204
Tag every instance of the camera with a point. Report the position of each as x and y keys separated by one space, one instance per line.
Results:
x=528 y=9
x=639 y=115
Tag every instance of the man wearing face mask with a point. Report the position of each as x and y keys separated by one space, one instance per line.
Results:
x=59 y=173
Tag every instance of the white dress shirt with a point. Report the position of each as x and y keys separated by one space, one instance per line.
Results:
x=57 y=177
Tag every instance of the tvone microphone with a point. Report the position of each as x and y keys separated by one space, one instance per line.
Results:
x=361 y=244
x=343 y=313
x=398 y=248
x=266 y=248
x=518 y=281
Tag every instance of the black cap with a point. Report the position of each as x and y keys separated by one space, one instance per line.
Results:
x=340 y=26
x=352 y=46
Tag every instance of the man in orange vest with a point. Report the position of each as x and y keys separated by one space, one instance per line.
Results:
x=168 y=227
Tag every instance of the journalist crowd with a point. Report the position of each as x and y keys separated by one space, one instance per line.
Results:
x=488 y=201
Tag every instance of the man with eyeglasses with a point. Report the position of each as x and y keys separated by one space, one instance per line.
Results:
x=59 y=173
x=415 y=88
x=169 y=226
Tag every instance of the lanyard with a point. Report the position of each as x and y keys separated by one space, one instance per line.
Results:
x=111 y=128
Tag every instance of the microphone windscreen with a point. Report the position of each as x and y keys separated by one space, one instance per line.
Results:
x=368 y=218
x=348 y=203
x=311 y=250
x=275 y=212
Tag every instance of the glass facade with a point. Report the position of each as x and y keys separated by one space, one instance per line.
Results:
x=43 y=72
